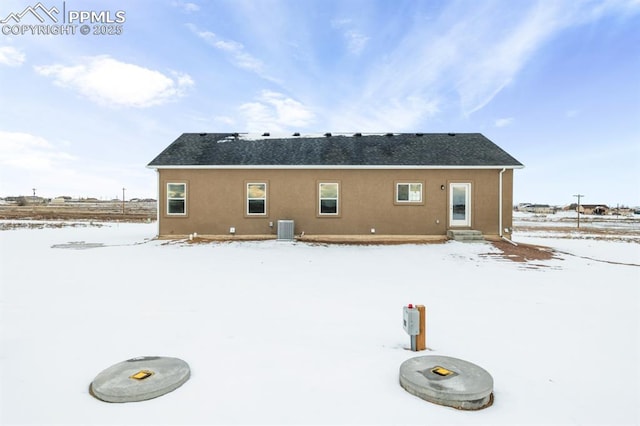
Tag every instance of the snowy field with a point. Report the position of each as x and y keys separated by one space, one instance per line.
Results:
x=615 y=227
x=293 y=333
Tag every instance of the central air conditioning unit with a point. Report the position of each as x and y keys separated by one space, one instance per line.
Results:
x=285 y=230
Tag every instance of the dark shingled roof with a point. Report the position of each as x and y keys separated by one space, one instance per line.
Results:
x=399 y=149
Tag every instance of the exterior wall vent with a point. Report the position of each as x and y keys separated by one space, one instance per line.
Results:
x=327 y=134
x=389 y=135
x=266 y=134
x=357 y=134
x=296 y=134
x=452 y=134
x=285 y=230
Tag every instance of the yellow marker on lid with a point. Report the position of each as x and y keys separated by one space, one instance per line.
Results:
x=441 y=371
x=142 y=374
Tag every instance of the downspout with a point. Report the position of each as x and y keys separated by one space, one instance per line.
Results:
x=500 y=202
x=158 y=203
x=500 y=207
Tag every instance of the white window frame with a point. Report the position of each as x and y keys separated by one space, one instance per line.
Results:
x=264 y=213
x=184 y=199
x=398 y=200
x=320 y=198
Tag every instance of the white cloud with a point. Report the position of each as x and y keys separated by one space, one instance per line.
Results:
x=108 y=81
x=494 y=59
x=259 y=117
x=11 y=56
x=275 y=112
x=340 y=22
x=396 y=114
x=503 y=122
x=225 y=120
x=28 y=152
x=356 y=40
x=469 y=47
x=235 y=51
x=28 y=161
x=186 y=6
x=493 y=67
x=183 y=80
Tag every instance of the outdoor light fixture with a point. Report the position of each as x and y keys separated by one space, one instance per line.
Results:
x=442 y=187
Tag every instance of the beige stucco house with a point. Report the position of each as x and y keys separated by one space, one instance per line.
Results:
x=334 y=184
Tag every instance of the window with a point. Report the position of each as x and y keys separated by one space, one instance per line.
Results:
x=176 y=198
x=328 y=198
x=409 y=192
x=256 y=198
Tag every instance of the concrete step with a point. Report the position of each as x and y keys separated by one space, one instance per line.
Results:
x=469 y=235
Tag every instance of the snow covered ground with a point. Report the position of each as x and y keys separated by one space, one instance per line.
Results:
x=620 y=226
x=292 y=333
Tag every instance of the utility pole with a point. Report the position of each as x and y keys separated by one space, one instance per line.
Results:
x=123 y=200
x=579 y=196
x=34 y=192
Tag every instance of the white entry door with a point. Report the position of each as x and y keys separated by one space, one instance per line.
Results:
x=460 y=204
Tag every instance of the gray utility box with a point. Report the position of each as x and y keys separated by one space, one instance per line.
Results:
x=285 y=230
x=411 y=320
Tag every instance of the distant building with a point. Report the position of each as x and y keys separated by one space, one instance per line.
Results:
x=537 y=208
x=594 y=209
x=26 y=200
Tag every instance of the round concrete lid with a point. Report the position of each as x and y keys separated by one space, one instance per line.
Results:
x=447 y=381
x=139 y=379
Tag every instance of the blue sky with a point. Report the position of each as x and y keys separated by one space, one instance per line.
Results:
x=555 y=83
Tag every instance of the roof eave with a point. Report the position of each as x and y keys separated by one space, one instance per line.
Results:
x=332 y=167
